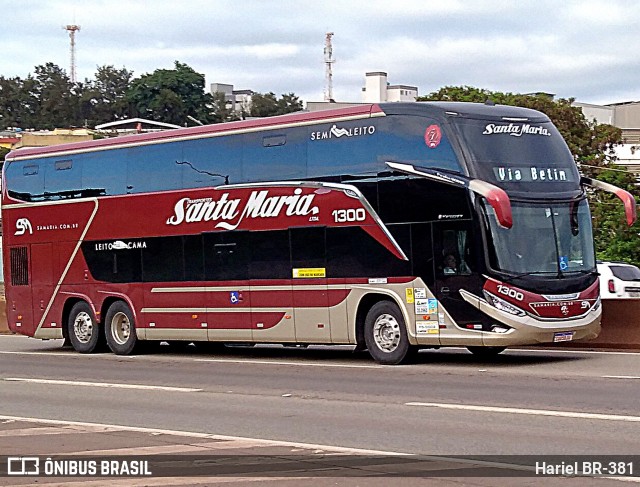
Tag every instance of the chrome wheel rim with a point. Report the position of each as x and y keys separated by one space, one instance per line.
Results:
x=83 y=327
x=386 y=333
x=120 y=328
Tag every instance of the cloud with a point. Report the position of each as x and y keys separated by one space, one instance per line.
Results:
x=574 y=48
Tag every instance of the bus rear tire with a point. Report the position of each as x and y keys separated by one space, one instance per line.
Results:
x=486 y=352
x=385 y=334
x=120 y=329
x=82 y=329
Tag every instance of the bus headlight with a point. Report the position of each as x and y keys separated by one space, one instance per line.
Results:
x=502 y=305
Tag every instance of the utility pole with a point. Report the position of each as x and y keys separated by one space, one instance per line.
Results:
x=328 y=61
x=72 y=29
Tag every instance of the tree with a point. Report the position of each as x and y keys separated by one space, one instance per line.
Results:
x=19 y=105
x=592 y=146
x=169 y=95
x=267 y=105
x=104 y=99
x=614 y=239
x=55 y=95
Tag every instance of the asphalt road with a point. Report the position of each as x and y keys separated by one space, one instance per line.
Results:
x=524 y=402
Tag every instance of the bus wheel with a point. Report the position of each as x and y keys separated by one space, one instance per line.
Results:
x=486 y=352
x=120 y=329
x=83 y=331
x=386 y=335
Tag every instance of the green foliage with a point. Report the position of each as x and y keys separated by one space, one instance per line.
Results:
x=591 y=145
x=48 y=99
x=170 y=95
x=103 y=100
x=267 y=105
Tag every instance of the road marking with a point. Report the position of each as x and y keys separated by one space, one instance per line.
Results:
x=102 y=384
x=297 y=364
x=245 y=442
x=61 y=353
x=534 y=412
x=191 y=434
x=621 y=376
x=586 y=352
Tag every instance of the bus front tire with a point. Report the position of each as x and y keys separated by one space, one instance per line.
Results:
x=120 y=329
x=82 y=329
x=385 y=334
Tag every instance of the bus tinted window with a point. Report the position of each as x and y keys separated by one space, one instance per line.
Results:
x=211 y=162
x=270 y=257
x=351 y=252
x=308 y=247
x=193 y=258
x=226 y=256
x=162 y=260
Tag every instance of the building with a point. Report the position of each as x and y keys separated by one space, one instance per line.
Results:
x=43 y=138
x=625 y=116
x=378 y=90
x=238 y=101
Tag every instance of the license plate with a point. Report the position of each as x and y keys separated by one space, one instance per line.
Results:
x=634 y=294
x=563 y=336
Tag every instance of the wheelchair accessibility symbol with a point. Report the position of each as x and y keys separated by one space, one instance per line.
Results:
x=234 y=297
x=564 y=263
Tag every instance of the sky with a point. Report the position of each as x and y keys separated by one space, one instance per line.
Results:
x=587 y=49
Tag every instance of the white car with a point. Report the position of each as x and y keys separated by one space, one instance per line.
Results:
x=619 y=280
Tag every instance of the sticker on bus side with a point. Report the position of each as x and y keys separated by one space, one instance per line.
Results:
x=427 y=327
x=311 y=272
x=408 y=293
x=426 y=306
x=420 y=293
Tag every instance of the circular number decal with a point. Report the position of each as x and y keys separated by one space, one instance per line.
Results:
x=432 y=136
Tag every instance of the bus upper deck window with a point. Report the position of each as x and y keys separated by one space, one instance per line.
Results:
x=30 y=170
x=63 y=165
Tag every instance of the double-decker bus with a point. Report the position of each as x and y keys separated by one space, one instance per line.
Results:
x=391 y=227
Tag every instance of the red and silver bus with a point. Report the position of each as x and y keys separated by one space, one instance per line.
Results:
x=391 y=227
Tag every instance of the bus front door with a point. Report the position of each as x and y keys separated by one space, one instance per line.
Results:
x=456 y=269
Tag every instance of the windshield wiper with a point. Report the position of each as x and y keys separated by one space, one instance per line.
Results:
x=525 y=274
x=558 y=274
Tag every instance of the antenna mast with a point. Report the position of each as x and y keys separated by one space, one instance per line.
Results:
x=328 y=61
x=72 y=29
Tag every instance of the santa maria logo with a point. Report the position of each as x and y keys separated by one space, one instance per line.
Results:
x=515 y=129
x=230 y=213
x=336 y=132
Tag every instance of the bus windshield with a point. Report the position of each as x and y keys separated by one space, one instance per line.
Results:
x=521 y=157
x=546 y=239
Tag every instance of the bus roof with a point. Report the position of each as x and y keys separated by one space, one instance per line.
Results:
x=437 y=110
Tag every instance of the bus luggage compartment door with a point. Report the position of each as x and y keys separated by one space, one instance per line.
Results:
x=42 y=284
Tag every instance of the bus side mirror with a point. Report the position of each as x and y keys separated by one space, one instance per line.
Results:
x=626 y=197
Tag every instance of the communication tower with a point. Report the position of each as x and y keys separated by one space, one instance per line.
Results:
x=72 y=29
x=328 y=61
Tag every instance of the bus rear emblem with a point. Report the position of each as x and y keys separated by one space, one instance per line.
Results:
x=22 y=225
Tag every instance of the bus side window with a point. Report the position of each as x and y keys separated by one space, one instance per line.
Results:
x=308 y=247
x=270 y=256
x=226 y=256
